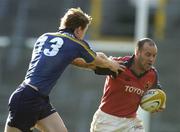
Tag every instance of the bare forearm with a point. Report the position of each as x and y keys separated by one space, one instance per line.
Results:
x=79 y=62
x=103 y=61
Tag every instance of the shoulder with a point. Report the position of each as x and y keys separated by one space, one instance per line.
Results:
x=153 y=71
x=61 y=35
x=69 y=37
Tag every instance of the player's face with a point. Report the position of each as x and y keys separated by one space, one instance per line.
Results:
x=146 y=56
x=80 y=33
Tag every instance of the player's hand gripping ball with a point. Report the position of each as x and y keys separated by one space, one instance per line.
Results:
x=153 y=100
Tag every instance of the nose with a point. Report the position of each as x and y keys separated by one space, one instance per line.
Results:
x=151 y=59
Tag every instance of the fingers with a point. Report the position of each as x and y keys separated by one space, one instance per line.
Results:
x=121 y=68
x=119 y=61
x=118 y=67
x=116 y=73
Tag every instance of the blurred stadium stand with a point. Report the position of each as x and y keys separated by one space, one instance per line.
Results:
x=77 y=102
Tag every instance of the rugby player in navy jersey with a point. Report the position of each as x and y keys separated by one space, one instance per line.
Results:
x=29 y=104
x=121 y=96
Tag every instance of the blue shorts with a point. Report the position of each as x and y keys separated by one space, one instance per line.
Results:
x=26 y=107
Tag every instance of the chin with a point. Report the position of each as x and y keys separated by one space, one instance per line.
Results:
x=148 y=68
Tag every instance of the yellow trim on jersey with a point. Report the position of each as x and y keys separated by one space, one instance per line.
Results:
x=77 y=41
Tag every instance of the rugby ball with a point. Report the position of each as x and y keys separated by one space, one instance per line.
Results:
x=153 y=99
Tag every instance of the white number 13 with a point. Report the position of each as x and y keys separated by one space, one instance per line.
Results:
x=57 y=44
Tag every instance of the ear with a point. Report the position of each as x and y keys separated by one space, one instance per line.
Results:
x=135 y=51
x=77 y=30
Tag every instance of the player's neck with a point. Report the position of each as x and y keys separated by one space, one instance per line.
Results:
x=137 y=69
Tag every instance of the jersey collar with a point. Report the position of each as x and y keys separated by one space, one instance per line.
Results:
x=129 y=63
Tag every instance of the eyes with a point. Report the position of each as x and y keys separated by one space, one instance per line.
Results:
x=148 y=54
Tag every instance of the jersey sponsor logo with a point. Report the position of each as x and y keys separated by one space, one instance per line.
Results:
x=131 y=89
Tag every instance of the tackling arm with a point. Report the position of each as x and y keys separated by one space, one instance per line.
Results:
x=101 y=60
x=82 y=63
x=102 y=65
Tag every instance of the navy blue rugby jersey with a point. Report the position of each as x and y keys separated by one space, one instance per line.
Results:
x=52 y=53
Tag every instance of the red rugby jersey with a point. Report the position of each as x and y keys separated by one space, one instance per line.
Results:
x=121 y=96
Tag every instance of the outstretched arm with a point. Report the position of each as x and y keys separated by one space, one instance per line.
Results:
x=101 y=65
x=79 y=62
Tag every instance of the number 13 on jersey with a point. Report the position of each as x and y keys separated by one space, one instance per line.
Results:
x=56 y=44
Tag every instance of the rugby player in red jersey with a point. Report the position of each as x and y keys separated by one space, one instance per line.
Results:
x=122 y=95
x=29 y=104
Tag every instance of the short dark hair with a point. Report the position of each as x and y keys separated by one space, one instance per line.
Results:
x=75 y=18
x=141 y=43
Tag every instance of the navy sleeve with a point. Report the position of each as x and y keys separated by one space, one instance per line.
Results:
x=87 y=53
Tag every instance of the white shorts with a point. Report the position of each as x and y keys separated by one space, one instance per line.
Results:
x=103 y=122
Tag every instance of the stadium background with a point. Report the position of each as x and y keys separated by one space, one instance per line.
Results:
x=77 y=95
